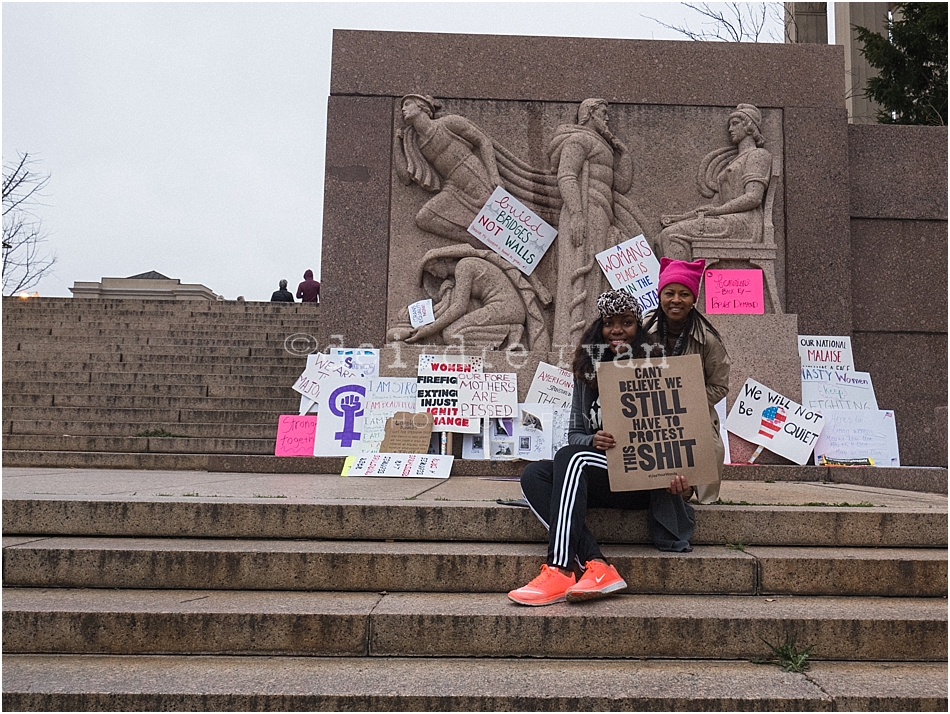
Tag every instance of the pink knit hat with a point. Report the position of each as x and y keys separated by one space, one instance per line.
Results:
x=679 y=271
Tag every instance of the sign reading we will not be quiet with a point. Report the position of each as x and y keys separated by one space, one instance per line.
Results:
x=513 y=231
x=660 y=418
x=780 y=425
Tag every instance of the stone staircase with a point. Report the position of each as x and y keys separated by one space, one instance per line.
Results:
x=147 y=383
x=181 y=592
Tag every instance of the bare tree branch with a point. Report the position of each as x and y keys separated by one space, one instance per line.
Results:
x=733 y=22
x=25 y=261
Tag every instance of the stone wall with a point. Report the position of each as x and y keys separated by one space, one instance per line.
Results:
x=505 y=82
x=899 y=278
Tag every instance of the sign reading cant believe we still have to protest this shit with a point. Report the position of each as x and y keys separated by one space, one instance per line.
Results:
x=657 y=412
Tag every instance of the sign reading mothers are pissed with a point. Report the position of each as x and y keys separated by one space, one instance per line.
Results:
x=658 y=414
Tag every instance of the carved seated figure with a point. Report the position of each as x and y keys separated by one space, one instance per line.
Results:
x=739 y=224
x=482 y=300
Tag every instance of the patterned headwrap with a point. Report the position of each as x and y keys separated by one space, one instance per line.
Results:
x=616 y=302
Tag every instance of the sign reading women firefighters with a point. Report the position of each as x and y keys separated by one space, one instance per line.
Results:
x=658 y=414
x=780 y=425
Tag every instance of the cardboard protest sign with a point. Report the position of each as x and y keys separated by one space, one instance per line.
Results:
x=734 y=292
x=407 y=433
x=530 y=436
x=825 y=389
x=859 y=434
x=399 y=465
x=421 y=313
x=780 y=425
x=660 y=419
x=823 y=351
x=488 y=395
x=438 y=391
x=295 y=435
x=342 y=407
x=363 y=361
x=551 y=385
x=319 y=367
x=634 y=267
x=513 y=231
x=384 y=397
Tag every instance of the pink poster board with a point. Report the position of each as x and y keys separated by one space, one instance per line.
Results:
x=734 y=292
x=295 y=435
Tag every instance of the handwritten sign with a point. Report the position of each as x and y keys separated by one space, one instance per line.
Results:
x=407 y=433
x=384 y=397
x=660 y=419
x=551 y=385
x=319 y=367
x=780 y=425
x=859 y=434
x=488 y=395
x=513 y=231
x=734 y=292
x=823 y=351
x=825 y=389
x=399 y=465
x=420 y=313
x=340 y=427
x=632 y=266
x=295 y=435
x=438 y=391
x=363 y=361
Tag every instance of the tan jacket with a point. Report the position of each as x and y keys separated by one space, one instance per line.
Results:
x=716 y=366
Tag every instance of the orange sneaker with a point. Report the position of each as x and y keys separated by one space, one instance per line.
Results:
x=599 y=579
x=546 y=589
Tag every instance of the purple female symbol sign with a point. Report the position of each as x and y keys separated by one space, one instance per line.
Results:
x=347 y=402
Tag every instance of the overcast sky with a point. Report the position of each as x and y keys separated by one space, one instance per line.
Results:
x=189 y=138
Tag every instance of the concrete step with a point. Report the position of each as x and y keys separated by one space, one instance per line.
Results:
x=197 y=683
x=107 y=460
x=103 y=371
x=89 y=621
x=59 y=427
x=461 y=567
x=142 y=415
x=152 y=377
x=41 y=442
x=287 y=404
x=323 y=507
x=48 y=389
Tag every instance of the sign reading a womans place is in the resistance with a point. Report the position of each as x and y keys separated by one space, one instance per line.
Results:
x=657 y=412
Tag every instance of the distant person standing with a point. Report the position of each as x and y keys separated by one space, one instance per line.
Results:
x=309 y=289
x=282 y=295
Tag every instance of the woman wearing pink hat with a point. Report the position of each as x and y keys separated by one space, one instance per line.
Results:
x=679 y=329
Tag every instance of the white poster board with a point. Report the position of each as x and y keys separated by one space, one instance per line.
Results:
x=632 y=266
x=319 y=367
x=399 y=465
x=825 y=351
x=438 y=391
x=859 y=434
x=776 y=422
x=484 y=395
x=421 y=313
x=513 y=231
x=364 y=361
x=530 y=436
x=551 y=385
x=825 y=389
x=384 y=397
x=342 y=407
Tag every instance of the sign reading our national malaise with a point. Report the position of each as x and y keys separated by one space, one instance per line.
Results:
x=513 y=231
x=776 y=422
x=826 y=351
x=657 y=412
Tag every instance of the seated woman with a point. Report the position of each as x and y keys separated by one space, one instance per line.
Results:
x=679 y=329
x=560 y=491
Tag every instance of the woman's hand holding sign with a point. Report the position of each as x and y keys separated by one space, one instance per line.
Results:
x=604 y=441
x=678 y=485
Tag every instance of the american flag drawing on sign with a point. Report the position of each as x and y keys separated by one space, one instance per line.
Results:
x=772 y=420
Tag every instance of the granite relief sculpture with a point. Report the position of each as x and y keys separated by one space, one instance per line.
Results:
x=479 y=300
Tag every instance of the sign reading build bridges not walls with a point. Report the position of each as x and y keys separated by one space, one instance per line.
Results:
x=659 y=416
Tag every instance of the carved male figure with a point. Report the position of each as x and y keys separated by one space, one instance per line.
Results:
x=738 y=176
x=591 y=164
